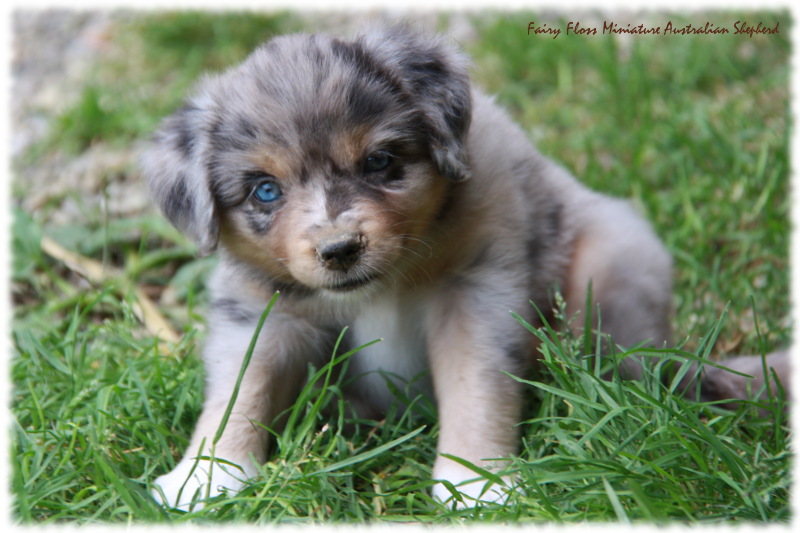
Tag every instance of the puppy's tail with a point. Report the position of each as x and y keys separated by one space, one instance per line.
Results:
x=742 y=378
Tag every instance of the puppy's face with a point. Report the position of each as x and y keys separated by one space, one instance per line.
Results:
x=321 y=162
x=344 y=212
x=332 y=187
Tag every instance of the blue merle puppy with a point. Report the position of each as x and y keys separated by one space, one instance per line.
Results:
x=375 y=188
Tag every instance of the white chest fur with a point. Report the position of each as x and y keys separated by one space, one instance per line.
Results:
x=399 y=320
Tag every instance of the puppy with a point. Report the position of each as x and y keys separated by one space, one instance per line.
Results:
x=370 y=184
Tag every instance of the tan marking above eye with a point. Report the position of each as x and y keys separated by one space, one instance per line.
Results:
x=274 y=163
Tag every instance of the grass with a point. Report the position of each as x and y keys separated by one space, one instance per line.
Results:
x=694 y=129
x=168 y=52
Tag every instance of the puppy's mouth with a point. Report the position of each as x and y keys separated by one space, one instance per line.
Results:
x=351 y=284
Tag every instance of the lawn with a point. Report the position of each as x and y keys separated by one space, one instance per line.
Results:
x=693 y=128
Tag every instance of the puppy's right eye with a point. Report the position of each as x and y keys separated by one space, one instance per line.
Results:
x=267 y=192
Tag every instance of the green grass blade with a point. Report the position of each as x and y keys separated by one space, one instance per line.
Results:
x=245 y=363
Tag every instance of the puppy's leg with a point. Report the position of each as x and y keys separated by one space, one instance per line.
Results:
x=719 y=384
x=479 y=406
x=269 y=385
x=630 y=273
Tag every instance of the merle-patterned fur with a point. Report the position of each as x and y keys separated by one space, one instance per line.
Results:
x=461 y=222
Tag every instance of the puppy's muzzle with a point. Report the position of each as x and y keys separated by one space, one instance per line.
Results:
x=340 y=253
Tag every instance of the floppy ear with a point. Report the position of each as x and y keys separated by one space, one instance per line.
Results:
x=175 y=168
x=437 y=77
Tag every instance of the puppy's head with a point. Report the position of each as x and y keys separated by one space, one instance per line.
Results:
x=320 y=161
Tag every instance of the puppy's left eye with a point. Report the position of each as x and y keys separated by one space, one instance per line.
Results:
x=377 y=162
x=267 y=192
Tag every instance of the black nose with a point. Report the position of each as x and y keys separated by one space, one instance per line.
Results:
x=341 y=253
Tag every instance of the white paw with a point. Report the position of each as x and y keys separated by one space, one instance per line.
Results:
x=473 y=489
x=193 y=481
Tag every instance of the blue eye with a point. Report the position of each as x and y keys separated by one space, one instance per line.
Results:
x=377 y=162
x=267 y=192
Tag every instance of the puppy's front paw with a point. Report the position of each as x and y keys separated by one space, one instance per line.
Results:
x=193 y=481
x=473 y=489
